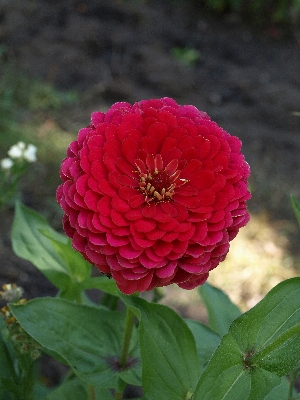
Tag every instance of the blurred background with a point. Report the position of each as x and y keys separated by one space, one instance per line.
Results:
x=237 y=60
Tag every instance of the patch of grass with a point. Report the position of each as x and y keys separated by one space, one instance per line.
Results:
x=22 y=99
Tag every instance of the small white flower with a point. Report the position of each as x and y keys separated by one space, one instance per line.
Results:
x=30 y=153
x=16 y=151
x=21 y=145
x=6 y=163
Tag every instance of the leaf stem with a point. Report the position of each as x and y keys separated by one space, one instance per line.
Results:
x=125 y=345
x=92 y=395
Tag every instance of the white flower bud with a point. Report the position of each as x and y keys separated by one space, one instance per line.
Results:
x=6 y=163
x=30 y=153
x=15 y=151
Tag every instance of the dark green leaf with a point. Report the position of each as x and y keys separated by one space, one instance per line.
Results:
x=170 y=364
x=280 y=392
x=221 y=311
x=88 y=338
x=262 y=345
x=225 y=377
x=76 y=389
x=30 y=244
x=206 y=340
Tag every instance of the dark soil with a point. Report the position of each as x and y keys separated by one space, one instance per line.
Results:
x=246 y=78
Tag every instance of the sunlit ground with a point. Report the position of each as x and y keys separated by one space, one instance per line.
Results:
x=257 y=261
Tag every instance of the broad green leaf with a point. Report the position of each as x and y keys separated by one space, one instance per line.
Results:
x=226 y=378
x=102 y=283
x=29 y=244
x=280 y=392
x=296 y=208
x=271 y=330
x=76 y=389
x=262 y=345
x=221 y=311
x=88 y=338
x=79 y=269
x=206 y=340
x=170 y=366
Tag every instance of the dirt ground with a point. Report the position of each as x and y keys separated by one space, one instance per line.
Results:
x=246 y=78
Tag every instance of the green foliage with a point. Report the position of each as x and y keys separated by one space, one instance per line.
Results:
x=87 y=338
x=261 y=346
x=236 y=357
x=170 y=364
x=221 y=311
x=51 y=252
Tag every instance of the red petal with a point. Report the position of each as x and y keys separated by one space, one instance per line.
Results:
x=162 y=248
x=129 y=149
x=116 y=241
x=126 y=192
x=136 y=201
x=105 y=188
x=119 y=205
x=144 y=225
x=91 y=199
x=171 y=167
x=167 y=271
x=129 y=252
x=125 y=167
x=189 y=202
x=118 y=218
x=82 y=184
x=170 y=236
x=104 y=206
x=127 y=181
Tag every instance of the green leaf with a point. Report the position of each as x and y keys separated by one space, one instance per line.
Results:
x=78 y=268
x=221 y=311
x=76 y=389
x=88 y=338
x=170 y=366
x=102 y=283
x=234 y=382
x=52 y=253
x=262 y=345
x=206 y=340
x=6 y=362
x=29 y=244
x=280 y=392
x=296 y=208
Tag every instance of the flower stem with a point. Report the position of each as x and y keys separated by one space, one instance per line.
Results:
x=125 y=345
x=293 y=376
x=127 y=336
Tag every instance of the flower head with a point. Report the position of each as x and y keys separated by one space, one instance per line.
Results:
x=30 y=153
x=6 y=163
x=16 y=151
x=20 y=151
x=153 y=193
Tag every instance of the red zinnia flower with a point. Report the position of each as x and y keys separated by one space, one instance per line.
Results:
x=153 y=193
